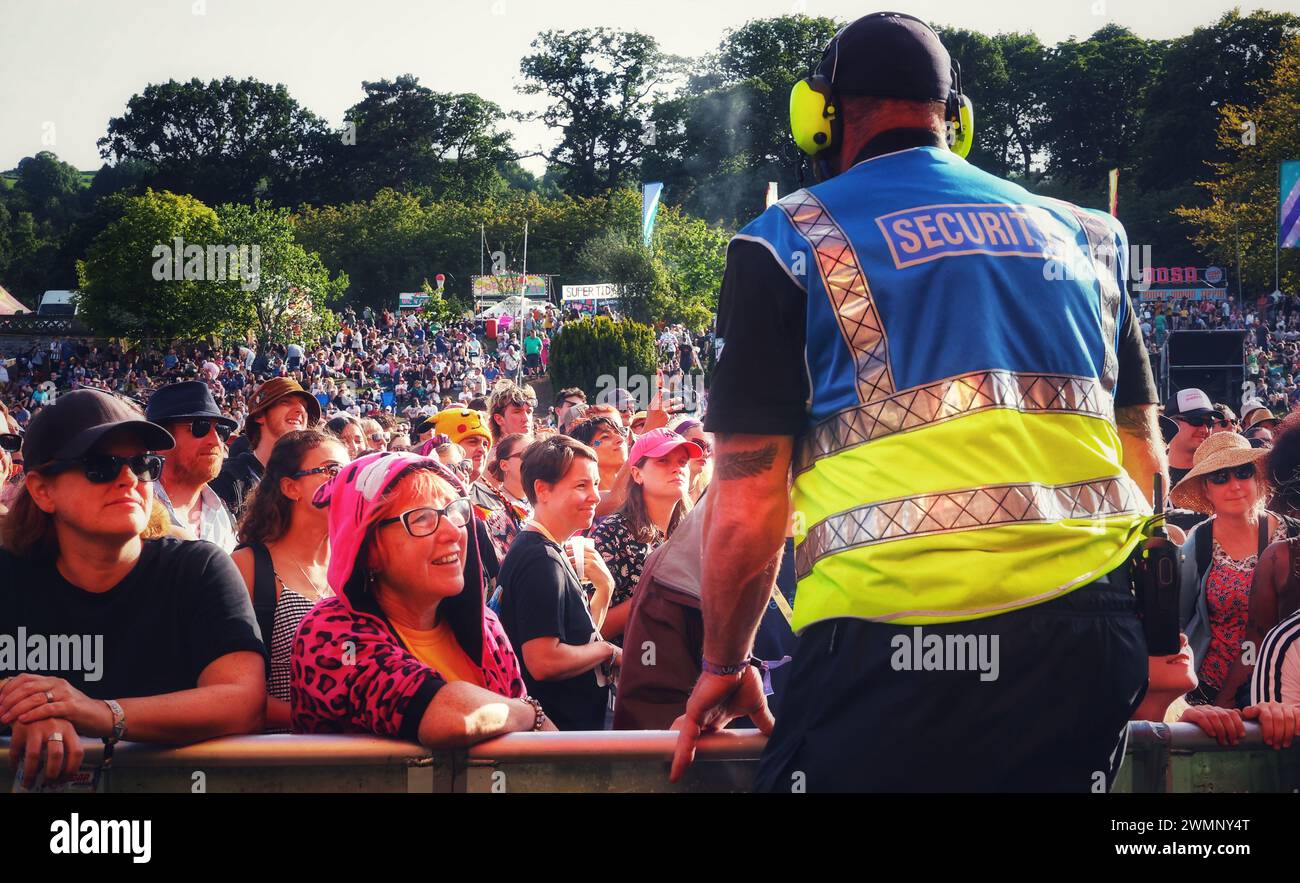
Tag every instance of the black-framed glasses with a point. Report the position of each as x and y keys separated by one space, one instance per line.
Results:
x=11 y=442
x=1196 y=421
x=201 y=427
x=105 y=468
x=330 y=469
x=1244 y=472
x=425 y=520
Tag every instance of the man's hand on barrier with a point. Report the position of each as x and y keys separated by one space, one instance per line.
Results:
x=1276 y=719
x=715 y=702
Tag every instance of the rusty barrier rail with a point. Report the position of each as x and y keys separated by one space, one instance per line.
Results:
x=1162 y=758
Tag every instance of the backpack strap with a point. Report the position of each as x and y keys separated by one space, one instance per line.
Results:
x=264 y=594
x=1204 y=547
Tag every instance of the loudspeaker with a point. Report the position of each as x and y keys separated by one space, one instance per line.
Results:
x=1213 y=361
x=1207 y=349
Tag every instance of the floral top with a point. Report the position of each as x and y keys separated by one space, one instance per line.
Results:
x=623 y=555
x=1227 y=598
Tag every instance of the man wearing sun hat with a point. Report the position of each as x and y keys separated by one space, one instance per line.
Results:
x=279 y=406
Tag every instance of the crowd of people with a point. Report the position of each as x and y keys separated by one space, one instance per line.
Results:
x=379 y=533
x=1272 y=351
x=261 y=553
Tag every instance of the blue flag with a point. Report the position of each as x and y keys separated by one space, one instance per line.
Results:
x=649 y=208
x=1288 y=234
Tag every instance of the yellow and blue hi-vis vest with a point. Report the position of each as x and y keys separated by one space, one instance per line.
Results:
x=962 y=458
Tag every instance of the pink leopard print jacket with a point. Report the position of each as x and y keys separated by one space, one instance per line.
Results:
x=351 y=675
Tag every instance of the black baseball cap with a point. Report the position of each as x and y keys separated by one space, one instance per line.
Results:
x=78 y=420
x=888 y=55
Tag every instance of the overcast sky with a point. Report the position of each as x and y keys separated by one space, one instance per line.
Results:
x=68 y=66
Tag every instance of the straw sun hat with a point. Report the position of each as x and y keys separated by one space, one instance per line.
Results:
x=1223 y=450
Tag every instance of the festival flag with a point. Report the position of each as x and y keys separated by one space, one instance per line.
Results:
x=1288 y=233
x=649 y=208
x=1114 y=193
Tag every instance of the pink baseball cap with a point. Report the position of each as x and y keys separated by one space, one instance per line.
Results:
x=661 y=442
x=353 y=498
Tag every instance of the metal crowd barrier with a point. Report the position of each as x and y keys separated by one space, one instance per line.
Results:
x=1162 y=758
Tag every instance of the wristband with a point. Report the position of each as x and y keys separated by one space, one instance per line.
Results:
x=540 y=715
x=724 y=670
x=119 y=723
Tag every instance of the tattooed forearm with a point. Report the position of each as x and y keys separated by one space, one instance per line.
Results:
x=1137 y=419
x=744 y=464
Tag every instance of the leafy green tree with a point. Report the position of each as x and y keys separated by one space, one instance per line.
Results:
x=287 y=295
x=585 y=350
x=1227 y=63
x=1094 y=92
x=602 y=86
x=726 y=134
x=50 y=187
x=1242 y=193
x=225 y=140
x=408 y=136
x=121 y=295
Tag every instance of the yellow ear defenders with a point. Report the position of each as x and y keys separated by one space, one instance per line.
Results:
x=817 y=127
x=959 y=116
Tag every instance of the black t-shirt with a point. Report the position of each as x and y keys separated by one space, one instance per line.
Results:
x=181 y=607
x=541 y=598
x=760 y=383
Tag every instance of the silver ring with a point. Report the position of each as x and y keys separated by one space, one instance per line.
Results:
x=55 y=737
x=49 y=696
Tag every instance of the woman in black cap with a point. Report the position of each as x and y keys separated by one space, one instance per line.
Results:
x=168 y=647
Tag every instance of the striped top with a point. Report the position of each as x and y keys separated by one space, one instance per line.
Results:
x=1277 y=667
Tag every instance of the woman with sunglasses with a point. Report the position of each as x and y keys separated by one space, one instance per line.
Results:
x=176 y=653
x=284 y=550
x=11 y=442
x=188 y=411
x=1221 y=554
x=406 y=648
x=498 y=494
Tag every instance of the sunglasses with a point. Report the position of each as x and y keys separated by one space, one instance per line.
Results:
x=330 y=469
x=424 y=521
x=104 y=468
x=11 y=442
x=1197 y=421
x=200 y=428
x=1244 y=472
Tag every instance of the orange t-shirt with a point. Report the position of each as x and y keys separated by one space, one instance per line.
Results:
x=438 y=648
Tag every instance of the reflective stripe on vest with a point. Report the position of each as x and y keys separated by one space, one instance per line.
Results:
x=901 y=518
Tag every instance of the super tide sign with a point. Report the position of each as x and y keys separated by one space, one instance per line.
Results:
x=928 y=233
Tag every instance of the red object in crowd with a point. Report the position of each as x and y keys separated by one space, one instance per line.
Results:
x=490 y=330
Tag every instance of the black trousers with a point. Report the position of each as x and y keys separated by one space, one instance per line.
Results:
x=1043 y=708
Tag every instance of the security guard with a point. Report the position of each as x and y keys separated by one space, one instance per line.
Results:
x=950 y=368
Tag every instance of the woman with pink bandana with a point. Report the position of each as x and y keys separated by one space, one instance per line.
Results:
x=406 y=648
